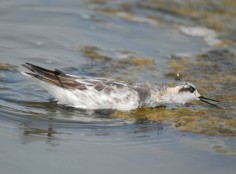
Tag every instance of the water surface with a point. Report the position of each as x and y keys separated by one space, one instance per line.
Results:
x=40 y=136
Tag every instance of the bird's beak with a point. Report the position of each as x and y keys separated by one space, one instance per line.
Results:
x=206 y=100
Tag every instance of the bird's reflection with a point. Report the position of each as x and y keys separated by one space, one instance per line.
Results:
x=47 y=127
x=31 y=133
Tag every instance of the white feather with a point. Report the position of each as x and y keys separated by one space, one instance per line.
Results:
x=92 y=99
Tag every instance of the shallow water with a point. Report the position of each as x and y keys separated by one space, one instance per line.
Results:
x=38 y=135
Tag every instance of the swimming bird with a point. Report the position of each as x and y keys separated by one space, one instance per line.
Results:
x=100 y=93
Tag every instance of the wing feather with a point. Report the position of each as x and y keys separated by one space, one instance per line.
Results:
x=59 y=78
x=56 y=77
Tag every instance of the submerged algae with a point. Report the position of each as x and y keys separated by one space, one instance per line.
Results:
x=94 y=52
x=218 y=15
x=117 y=56
x=8 y=67
x=212 y=68
x=110 y=63
x=202 y=121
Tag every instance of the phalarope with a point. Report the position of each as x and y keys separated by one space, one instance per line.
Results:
x=100 y=93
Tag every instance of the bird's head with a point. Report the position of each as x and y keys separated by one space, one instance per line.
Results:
x=184 y=92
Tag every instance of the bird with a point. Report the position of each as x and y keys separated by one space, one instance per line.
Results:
x=95 y=93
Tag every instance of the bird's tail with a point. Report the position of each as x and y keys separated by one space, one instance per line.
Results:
x=55 y=77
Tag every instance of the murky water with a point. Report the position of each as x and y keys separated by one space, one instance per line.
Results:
x=39 y=136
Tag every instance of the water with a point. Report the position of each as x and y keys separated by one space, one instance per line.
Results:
x=39 y=136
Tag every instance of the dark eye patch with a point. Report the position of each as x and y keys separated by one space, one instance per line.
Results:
x=190 y=89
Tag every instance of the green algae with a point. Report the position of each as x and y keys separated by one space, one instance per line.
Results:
x=120 y=64
x=214 y=68
x=118 y=59
x=123 y=56
x=94 y=52
x=101 y=2
x=8 y=67
x=224 y=150
x=216 y=15
x=200 y=121
x=138 y=61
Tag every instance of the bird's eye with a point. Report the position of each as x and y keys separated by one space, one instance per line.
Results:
x=190 y=89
